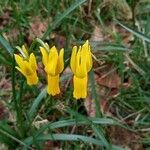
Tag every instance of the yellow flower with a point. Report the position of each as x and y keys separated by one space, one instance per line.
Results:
x=81 y=64
x=54 y=65
x=27 y=65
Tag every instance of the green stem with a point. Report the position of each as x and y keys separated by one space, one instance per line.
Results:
x=94 y=95
x=17 y=104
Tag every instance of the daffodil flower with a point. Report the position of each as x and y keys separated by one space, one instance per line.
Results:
x=54 y=65
x=81 y=64
x=27 y=65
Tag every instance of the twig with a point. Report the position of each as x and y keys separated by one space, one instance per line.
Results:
x=136 y=67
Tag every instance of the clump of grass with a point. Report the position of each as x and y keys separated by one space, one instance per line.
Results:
x=62 y=120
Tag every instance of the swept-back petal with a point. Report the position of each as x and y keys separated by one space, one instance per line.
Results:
x=60 y=63
x=86 y=51
x=20 y=71
x=89 y=59
x=32 y=61
x=73 y=59
x=44 y=56
x=19 y=60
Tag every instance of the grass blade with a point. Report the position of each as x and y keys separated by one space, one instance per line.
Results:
x=62 y=16
x=36 y=103
x=64 y=137
x=11 y=137
x=4 y=60
x=71 y=137
x=94 y=94
x=6 y=45
x=77 y=121
x=98 y=132
x=108 y=46
x=136 y=33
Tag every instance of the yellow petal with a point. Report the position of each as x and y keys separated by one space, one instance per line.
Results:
x=19 y=60
x=86 y=51
x=81 y=70
x=25 y=51
x=25 y=67
x=32 y=61
x=73 y=59
x=89 y=59
x=44 y=56
x=80 y=87
x=20 y=71
x=53 y=85
x=52 y=61
x=85 y=48
x=60 y=63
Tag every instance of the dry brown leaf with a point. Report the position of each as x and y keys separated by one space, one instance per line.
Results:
x=66 y=79
x=3 y=111
x=60 y=40
x=5 y=84
x=97 y=34
x=107 y=34
x=121 y=7
x=109 y=87
x=124 y=138
x=37 y=28
x=109 y=77
x=51 y=145
x=5 y=18
x=89 y=104
x=111 y=81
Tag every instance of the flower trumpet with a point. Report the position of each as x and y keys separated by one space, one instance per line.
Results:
x=27 y=65
x=81 y=64
x=54 y=65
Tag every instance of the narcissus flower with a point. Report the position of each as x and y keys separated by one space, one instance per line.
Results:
x=54 y=65
x=27 y=65
x=81 y=64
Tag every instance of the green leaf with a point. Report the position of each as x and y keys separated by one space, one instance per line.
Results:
x=5 y=127
x=4 y=60
x=64 y=137
x=36 y=103
x=77 y=121
x=6 y=45
x=99 y=133
x=136 y=33
x=62 y=16
x=112 y=48
x=71 y=137
x=4 y=139
x=8 y=135
x=94 y=94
